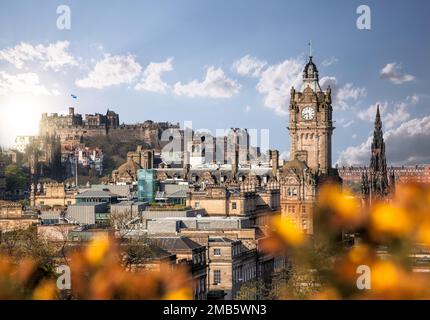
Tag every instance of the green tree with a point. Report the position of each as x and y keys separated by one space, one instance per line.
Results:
x=15 y=177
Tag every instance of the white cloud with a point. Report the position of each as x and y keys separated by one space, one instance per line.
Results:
x=392 y=114
x=356 y=155
x=393 y=72
x=329 y=62
x=52 y=56
x=407 y=144
x=370 y=113
x=354 y=136
x=215 y=85
x=344 y=122
x=342 y=95
x=347 y=93
x=249 y=66
x=328 y=81
x=276 y=82
x=22 y=83
x=151 y=80
x=397 y=116
x=247 y=109
x=110 y=71
x=285 y=156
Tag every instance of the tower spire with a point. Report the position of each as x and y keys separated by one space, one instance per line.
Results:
x=378 y=164
x=310 y=73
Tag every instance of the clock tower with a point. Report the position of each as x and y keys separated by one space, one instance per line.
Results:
x=311 y=123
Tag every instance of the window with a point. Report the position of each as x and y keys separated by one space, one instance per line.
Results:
x=233 y=205
x=292 y=192
x=217 y=276
x=197 y=205
x=217 y=252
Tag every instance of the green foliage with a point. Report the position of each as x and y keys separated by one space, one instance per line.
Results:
x=114 y=150
x=15 y=177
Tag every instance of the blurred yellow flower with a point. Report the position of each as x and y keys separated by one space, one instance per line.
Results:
x=390 y=219
x=423 y=233
x=359 y=253
x=385 y=276
x=47 y=290
x=97 y=249
x=342 y=203
x=288 y=231
x=179 y=294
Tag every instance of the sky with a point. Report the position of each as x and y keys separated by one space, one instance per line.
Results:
x=222 y=64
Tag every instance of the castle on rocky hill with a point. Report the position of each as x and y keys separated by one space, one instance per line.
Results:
x=73 y=125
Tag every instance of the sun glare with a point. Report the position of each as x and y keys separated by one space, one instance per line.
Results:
x=20 y=115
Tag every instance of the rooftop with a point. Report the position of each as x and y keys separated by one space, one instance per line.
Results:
x=176 y=243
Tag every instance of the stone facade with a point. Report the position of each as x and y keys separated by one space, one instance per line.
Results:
x=242 y=201
x=403 y=174
x=52 y=194
x=13 y=217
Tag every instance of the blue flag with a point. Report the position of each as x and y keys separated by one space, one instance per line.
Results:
x=73 y=96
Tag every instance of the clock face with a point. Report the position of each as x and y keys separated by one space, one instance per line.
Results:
x=308 y=113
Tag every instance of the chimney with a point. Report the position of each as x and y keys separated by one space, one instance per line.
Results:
x=274 y=161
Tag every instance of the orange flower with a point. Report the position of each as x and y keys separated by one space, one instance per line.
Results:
x=385 y=276
x=97 y=249
x=391 y=220
x=288 y=231
x=179 y=294
x=342 y=203
x=423 y=233
x=47 y=290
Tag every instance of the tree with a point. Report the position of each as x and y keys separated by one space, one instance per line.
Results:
x=15 y=177
x=136 y=251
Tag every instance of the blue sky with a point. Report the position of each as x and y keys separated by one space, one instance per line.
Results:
x=184 y=60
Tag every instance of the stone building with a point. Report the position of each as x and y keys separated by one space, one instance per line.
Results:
x=231 y=264
x=190 y=254
x=311 y=128
x=13 y=217
x=52 y=194
x=352 y=175
x=245 y=200
x=136 y=160
x=126 y=173
x=44 y=157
